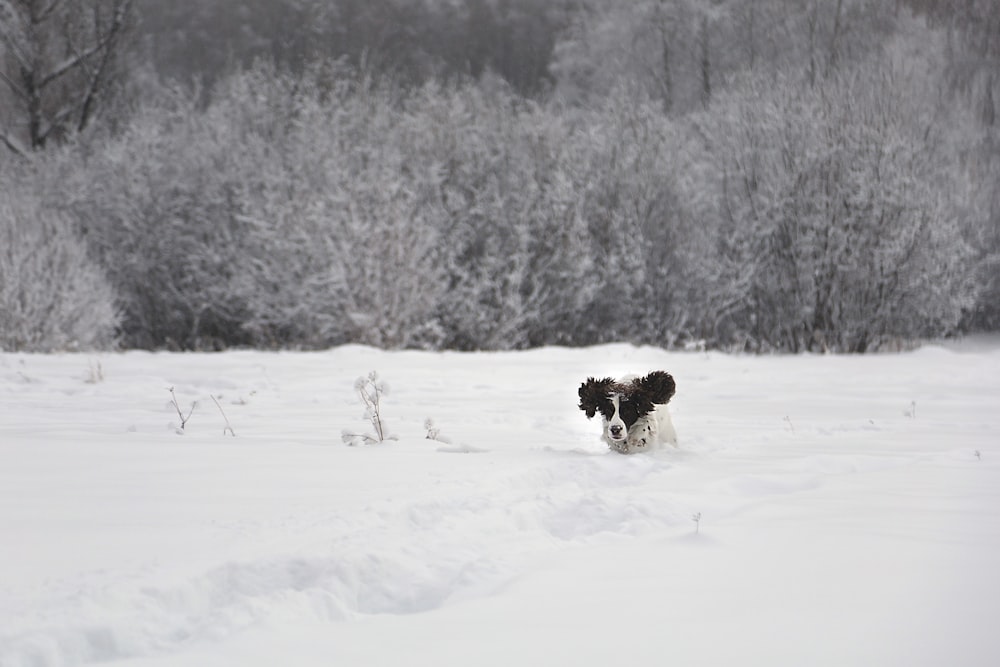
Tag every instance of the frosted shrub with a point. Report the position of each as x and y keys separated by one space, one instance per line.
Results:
x=505 y=204
x=644 y=256
x=165 y=229
x=52 y=296
x=370 y=389
x=330 y=207
x=836 y=231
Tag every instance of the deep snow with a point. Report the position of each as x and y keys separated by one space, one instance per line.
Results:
x=849 y=511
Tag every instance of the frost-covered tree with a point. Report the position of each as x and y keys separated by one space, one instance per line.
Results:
x=58 y=61
x=823 y=201
x=283 y=214
x=972 y=54
x=389 y=246
x=347 y=232
x=652 y=48
x=681 y=52
x=971 y=81
x=642 y=252
x=514 y=246
x=835 y=229
x=156 y=205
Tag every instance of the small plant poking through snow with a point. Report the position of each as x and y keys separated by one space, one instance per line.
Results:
x=697 y=522
x=184 y=419
x=96 y=373
x=371 y=389
x=229 y=427
x=434 y=433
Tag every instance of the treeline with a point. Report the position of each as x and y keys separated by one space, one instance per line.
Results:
x=744 y=176
x=414 y=41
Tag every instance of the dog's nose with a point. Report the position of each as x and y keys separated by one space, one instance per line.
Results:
x=615 y=429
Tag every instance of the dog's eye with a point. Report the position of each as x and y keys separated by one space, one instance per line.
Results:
x=629 y=412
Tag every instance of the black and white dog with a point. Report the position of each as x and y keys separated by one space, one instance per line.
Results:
x=634 y=410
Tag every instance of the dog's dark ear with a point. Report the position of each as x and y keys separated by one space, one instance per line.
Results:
x=658 y=386
x=592 y=392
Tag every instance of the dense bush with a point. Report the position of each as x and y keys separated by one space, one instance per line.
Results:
x=838 y=216
x=52 y=295
x=839 y=204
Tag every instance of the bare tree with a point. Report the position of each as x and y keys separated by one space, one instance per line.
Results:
x=56 y=60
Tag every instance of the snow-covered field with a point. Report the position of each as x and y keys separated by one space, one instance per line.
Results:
x=849 y=512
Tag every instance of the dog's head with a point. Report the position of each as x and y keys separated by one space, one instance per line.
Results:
x=623 y=403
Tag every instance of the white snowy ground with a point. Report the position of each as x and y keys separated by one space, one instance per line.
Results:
x=850 y=512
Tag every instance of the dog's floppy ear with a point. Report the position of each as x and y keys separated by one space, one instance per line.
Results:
x=658 y=386
x=592 y=392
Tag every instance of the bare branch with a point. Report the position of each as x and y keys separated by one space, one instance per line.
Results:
x=55 y=122
x=117 y=24
x=96 y=76
x=46 y=12
x=13 y=47
x=13 y=86
x=229 y=426
x=68 y=65
x=184 y=419
x=13 y=145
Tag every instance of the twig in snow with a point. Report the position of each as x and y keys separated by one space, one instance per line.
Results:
x=697 y=522
x=96 y=374
x=173 y=400
x=229 y=426
x=353 y=439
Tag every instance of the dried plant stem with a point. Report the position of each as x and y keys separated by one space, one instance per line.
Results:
x=229 y=426
x=370 y=390
x=173 y=400
x=372 y=399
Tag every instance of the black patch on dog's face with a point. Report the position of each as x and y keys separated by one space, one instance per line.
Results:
x=629 y=410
